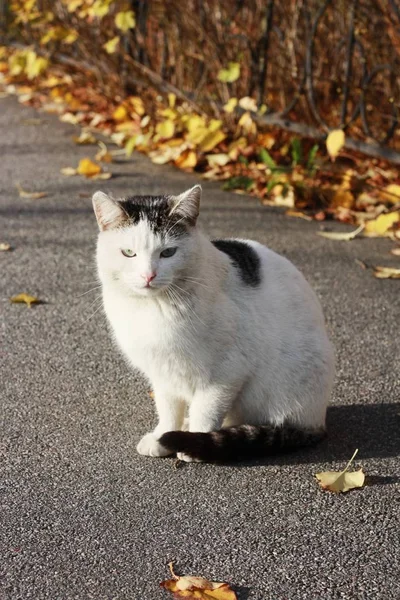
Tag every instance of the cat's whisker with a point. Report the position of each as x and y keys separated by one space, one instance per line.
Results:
x=88 y=291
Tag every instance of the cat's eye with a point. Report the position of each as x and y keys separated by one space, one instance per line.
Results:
x=168 y=252
x=128 y=252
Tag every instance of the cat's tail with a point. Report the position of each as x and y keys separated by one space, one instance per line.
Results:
x=241 y=442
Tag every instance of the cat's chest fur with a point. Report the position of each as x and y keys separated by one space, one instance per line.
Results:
x=156 y=339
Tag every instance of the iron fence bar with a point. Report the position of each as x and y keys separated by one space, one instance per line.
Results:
x=263 y=59
x=349 y=60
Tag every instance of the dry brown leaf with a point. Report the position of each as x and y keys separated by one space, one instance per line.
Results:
x=25 y=298
x=5 y=247
x=197 y=587
x=342 y=481
x=88 y=168
x=32 y=195
x=341 y=236
x=387 y=273
x=335 y=142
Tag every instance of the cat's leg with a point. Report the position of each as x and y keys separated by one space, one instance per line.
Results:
x=209 y=408
x=170 y=411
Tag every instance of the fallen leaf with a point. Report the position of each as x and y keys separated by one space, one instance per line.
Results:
x=395 y=251
x=218 y=160
x=341 y=236
x=165 y=129
x=381 y=225
x=32 y=195
x=335 y=142
x=85 y=137
x=391 y=193
x=120 y=113
x=25 y=298
x=386 y=273
x=101 y=176
x=343 y=481
x=197 y=587
x=298 y=214
x=4 y=246
x=248 y=103
x=68 y=171
x=88 y=168
x=211 y=140
x=103 y=155
x=187 y=160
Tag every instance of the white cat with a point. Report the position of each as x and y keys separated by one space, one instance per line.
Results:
x=229 y=334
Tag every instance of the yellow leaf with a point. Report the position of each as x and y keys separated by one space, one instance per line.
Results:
x=111 y=46
x=335 y=142
x=100 y=8
x=218 y=160
x=88 y=168
x=381 y=225
x=343 y=197
x=187 y=160
x=25 y=298
x=171 y=100
x=31 y=195
x=138 y=105
x=194 y=122
x=212 y=139
x=391 y=193
x=125 y=20
x=343 y=481
x=120 y=113
x=85 y=137
x=230 y=74
x=72 y=5
x=387 y=273
x=165 y=129
x=35 y=65
x=198 y=587
x=230 y=106
x=341 y=236
x=5 y=247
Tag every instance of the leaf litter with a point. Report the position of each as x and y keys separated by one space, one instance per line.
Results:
x=31 y=195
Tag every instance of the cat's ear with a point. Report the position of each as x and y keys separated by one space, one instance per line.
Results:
x=109 y=213
x=187 y=205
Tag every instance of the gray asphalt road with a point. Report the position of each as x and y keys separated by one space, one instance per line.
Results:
x=82 y=515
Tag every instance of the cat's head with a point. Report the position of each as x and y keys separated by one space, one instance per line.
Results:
x=146 y=243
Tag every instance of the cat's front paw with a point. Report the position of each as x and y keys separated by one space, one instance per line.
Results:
x=150 y=446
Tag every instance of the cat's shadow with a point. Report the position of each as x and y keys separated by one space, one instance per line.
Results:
x=372 y=428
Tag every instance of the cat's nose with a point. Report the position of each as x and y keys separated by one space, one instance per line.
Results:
x=149 y=276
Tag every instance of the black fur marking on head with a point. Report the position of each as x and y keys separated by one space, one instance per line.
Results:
x=156 y=210
x=245 y=259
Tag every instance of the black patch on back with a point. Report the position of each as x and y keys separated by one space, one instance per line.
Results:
x=244 y=258
x=155 y=209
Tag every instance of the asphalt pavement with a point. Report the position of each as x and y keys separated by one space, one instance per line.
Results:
x=82 y=515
